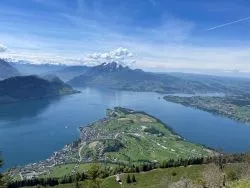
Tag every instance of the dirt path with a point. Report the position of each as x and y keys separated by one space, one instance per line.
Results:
x=80 y=150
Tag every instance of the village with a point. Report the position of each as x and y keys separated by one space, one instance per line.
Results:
x=44 y=167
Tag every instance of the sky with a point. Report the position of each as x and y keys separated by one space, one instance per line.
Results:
x=156 y=35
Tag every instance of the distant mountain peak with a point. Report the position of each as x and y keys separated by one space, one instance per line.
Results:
x=6 y=70
x=110 y=67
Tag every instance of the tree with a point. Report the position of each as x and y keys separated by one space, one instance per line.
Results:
x=128 y=179
x=137 y=169
x=94 y=171
x=83 y=176
x=1 y=176
x=77 y=184
x=133 y=178
x=77 y=177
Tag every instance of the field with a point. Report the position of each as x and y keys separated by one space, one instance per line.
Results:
x=65 y=170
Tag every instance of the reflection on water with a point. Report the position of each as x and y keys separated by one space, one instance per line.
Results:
x=25 y=109
x=33 y=130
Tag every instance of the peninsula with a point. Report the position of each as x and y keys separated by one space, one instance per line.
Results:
x=124 y=137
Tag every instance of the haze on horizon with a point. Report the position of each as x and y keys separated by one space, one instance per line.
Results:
x=155 y=35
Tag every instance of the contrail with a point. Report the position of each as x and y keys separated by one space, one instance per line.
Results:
x=226 y=24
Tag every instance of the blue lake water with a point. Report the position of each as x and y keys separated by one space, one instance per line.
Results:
x=32 y=130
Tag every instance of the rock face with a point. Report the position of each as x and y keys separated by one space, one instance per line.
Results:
x=20 y=88
x=6 y=70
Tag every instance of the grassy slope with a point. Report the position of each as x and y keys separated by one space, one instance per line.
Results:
x=240 y=184
x=159 y=178
x=64 y=170
x=152 y=179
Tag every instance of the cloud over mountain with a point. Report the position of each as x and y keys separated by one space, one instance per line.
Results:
x=121 y=55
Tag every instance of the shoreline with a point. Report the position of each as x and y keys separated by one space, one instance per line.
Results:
x=69 y=154
x=214 y=112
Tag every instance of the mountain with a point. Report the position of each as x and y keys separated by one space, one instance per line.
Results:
x=70 y=72
x=28 y=68
x=64 y=72
x=115 y=76
x=6 y=70
x=20 y=88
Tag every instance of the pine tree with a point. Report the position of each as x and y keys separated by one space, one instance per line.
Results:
x=137 y=169
x=133 y=178
x=83 y=176
x=128 y=179
x=1 y=176
x=77 y=185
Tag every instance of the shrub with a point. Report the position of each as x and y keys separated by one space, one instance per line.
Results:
x=174 y=173
x=232 y=175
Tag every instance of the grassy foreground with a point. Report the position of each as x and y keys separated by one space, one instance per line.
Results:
x=195 y=176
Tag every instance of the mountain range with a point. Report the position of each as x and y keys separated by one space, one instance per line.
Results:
x=29 y=68
x=115 y=76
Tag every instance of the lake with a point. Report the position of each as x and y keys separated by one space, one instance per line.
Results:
x=32 y=130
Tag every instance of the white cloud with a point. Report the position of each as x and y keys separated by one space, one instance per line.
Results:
x=167 y=45
x=121 y=55
x=3 y=48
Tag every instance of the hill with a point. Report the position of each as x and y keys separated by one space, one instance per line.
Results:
x=20 y=88
x=236 y=85
x=6 y=70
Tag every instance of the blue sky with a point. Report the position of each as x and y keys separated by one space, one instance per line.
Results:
x=158 y=35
